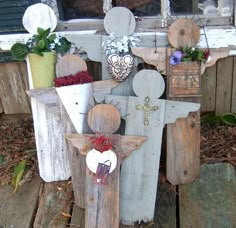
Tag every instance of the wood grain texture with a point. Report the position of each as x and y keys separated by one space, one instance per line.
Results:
x=50 y=142
x=210 y=200
x=183 y=33
x=78 y=218
x=70 y=65
x=224 y=85
x=183 y=144
x=233 y=104
x=208 y=87
x=54 y=201
x=17 y=210
x=14 y=99
x=1 y=107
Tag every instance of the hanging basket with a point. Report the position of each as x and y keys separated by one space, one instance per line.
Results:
x=42 y=69
x=185 y=79
x=120 y=66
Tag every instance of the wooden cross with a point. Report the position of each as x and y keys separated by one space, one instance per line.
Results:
x=147 y=108
x=138 y=199
x=102 y=202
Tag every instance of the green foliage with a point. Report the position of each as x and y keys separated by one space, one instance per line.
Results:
x=194 y=54
x=226 y=118
x=41 y=42
x=18 y=174
x=2 y=160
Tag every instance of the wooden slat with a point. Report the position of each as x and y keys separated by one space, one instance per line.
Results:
x=233 y=103
x=210 y=200
x=208 y=87
x=78 y=218
x=224 y=85
x=55 y=201
x=17 y=210
x=14 y=98
x=1 y=107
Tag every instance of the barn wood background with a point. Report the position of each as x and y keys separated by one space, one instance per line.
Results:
x=218 y=86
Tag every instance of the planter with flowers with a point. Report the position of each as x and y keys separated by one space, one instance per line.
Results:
x=185 y=71
x=120 y=61
x=41 y=50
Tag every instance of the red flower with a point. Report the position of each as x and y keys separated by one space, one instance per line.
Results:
x=101 y=142
x=207 y=54
x=78 y=78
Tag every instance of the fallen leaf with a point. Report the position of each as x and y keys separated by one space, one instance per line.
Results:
x=66 y=215
x=18 y=174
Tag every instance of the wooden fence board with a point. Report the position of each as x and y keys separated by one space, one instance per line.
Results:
x=17 y=210
x=12 y=89
x=224 y=85
x=208 y=86
x=55 y=201
x=210 y=200
x=1 y=107
x=233 y=103
x=78 y=218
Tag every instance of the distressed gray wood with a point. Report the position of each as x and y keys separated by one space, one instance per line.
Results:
x=208 y=87
x=17 y=210
x=54 y=201
x=224 y=85
x=78 y=218
x=210 y=200
x=120 y=21
x=12 y=94
x=1 y=108
x=139 y=173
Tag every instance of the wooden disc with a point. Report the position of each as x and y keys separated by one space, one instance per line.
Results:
x=119 y=20
x=39 y=15
x=104 y=118
x=70 y=64
x=148 y=83
x=183 y=33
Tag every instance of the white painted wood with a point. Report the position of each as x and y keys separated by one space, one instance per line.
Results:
x=50 y=142
x=120 y=21
x=39 y=15
x=94 y=157
x=75 y=99
x=139 y=173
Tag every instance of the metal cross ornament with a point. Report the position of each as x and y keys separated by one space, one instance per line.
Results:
x=147 y=108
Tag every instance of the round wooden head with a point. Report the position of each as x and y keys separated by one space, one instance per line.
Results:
x=39 y=15
x=183 y=33
x=104 y=118
x=119 y=20
x=70 y=64
x=148 y=83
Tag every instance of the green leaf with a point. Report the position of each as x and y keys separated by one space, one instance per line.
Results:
x=19 y=51
x=40 y=31
x=37 y=51
x=52 y=37
x=41 y=44
x=229 y=119
x=18 y=174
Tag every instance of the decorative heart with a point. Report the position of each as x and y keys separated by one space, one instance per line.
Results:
x=94 y=157
x=120 y=66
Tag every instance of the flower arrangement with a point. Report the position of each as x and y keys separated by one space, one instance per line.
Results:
x=41 y=42
x=189 y=54
x=78 y=78
x=120 y=45
x=101 y=142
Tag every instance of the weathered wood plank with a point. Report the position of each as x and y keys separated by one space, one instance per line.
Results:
x=233 y=104
x=55 y=200
x=14 y=99
x=78 y=218
x=183 y=143
x=17 y=210
x=1 y=107
x=224 y=85
x=208 y=87
x=210 y=200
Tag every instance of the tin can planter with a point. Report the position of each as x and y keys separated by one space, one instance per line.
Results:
x=42 y=69
x=120 y=66
x=185 y=79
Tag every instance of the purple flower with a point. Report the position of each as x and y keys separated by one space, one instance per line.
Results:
x=175 y=58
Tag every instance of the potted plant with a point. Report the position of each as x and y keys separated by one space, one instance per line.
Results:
x=185 y=71
x=119 y=58
x=41 y=50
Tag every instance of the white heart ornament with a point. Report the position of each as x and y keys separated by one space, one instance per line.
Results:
x=94 y=157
